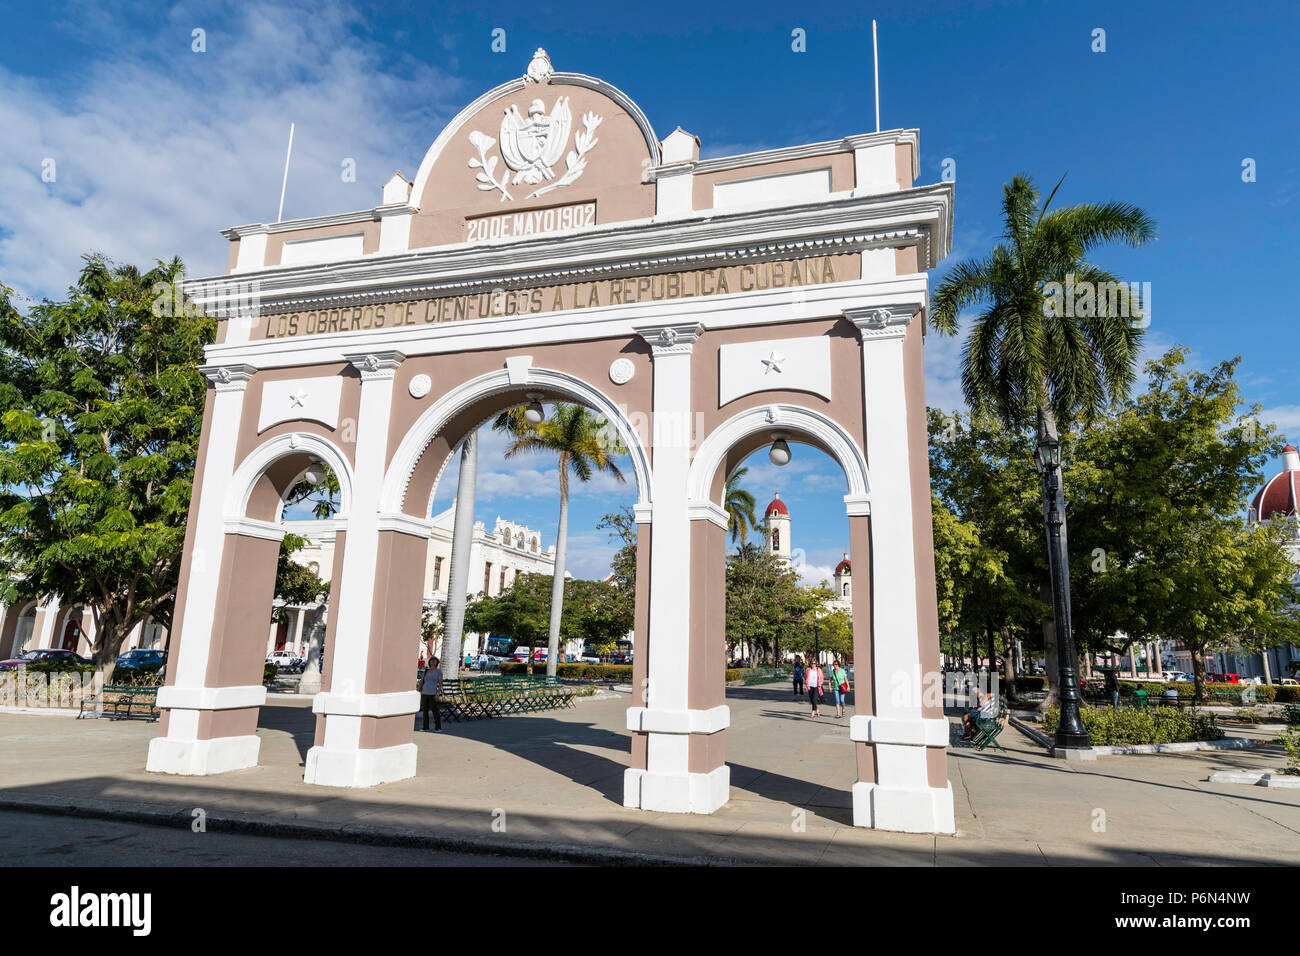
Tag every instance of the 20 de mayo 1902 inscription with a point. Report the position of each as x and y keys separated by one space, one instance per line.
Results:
x=817 y=270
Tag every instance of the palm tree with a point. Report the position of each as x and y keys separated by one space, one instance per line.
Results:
x=1030 y=359
x=583 y=444
x=739 y=505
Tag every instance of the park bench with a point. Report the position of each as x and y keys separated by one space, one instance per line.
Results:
x=987 y=731
x=1292 y=713
x=480 y=697
x=121 y=702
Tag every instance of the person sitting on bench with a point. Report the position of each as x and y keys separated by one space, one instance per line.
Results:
x=987 y=710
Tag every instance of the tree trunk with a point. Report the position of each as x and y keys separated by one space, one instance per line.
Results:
x=1009 y=657
x=557 y=582
x=462 y=539
x=1198 y=672
x=992 y=647
x=108 y=645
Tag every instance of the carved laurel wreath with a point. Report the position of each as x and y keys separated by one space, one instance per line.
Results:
x=575 y=162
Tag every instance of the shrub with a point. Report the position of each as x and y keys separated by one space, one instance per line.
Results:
x=1290 y=739
x=144 y=677
x=1287 y=695
x=1030 y=682
x=1157 y=725
x=269 y=672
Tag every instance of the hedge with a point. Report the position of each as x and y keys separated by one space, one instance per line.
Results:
x=623 y=672
x=576 y=671
x=1156 y=725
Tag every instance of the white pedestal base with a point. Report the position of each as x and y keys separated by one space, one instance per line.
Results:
x=200 y=757
x=677 y=792
x=921 y=810
x=359 y=768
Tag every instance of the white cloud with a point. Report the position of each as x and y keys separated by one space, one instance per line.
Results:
x=156 y=147
x=1285 y=417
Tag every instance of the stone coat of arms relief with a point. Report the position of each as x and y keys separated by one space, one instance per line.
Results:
x=532 y=145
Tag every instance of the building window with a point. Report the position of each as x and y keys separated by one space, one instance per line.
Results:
x=487 y=577
x=534 y=545
x=502 y=586
x=846 y=589
x=519 y=542
x=437 y=573
x=776 y=540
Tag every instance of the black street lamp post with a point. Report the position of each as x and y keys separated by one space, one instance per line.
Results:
x=1070 y=732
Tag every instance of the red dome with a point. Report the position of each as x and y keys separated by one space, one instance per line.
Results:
x=843 y=566
x=776 y=507
x=1280 y=496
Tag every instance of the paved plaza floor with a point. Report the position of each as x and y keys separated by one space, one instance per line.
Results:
x=551 y=784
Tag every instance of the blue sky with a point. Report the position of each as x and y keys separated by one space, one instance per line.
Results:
x=157 y=147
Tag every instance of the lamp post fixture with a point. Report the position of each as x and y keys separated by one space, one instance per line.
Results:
x=1070 y=732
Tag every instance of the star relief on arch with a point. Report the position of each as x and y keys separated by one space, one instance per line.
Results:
x=532 y=145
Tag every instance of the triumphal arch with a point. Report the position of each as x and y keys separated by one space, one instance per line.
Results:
x=552 y=247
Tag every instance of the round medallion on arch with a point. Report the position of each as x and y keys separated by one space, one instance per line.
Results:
x=420 y=386
x=621 y=371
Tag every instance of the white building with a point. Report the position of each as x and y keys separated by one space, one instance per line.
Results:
x=496 y=559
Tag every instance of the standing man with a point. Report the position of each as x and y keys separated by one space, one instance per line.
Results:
x=430 y=688
x=1112 y=688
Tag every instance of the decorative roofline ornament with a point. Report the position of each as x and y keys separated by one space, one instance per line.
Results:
x=539 y=69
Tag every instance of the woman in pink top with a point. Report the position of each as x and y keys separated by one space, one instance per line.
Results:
x=813 y=678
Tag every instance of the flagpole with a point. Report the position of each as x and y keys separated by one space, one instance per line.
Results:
x=285 y=182
x=875 y=59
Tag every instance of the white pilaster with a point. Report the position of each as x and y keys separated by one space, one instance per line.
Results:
x=666 y=783
x=181 y=751
x=901 y=798
x=340 y=761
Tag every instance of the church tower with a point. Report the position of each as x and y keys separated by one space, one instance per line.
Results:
x=844 y=579
x=777 y=521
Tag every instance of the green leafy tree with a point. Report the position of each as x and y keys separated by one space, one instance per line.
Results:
x=1162 y=549
x=989 y=561
x=295 y=584
x=583 y=444
x=596 y=614
x=519 y=611
x=765 y=605
x=621 y=526
x=100 y=411
x=813 y=627
x=1033 y=357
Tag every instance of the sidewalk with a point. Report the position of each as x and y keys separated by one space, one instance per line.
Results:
x=555 y=781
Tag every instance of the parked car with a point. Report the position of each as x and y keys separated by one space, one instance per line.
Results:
x=141 y=657
x=43 y=654
x=1288 y=682
x=485 y=661
x=286 y=660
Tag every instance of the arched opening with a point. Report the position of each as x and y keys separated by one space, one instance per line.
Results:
x=24 y=629
x=523 y=491
x=715 y=708
x=215 y=690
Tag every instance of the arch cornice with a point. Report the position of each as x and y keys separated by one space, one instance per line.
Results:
x=780 y=417
x=270 y=451
x=450 y=131
x=402 y=468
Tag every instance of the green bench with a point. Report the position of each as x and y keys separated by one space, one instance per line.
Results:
x=987 y=731
x=480 y=697
x=121 y=702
